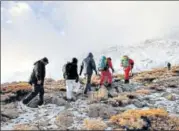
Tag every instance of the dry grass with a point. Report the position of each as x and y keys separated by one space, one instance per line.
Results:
x=132 y=118
x=24 y=127
x=102 y=93
x=94 y=124
x=143 y=92
x=21 y=86
x=149 y=76
x=120 y=100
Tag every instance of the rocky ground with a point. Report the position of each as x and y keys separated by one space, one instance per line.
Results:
x=150 y=101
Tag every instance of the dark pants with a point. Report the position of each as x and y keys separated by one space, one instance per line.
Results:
x=37 y=89
x=88 y=84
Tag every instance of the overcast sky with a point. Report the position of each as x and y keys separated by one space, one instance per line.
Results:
x=60 y=30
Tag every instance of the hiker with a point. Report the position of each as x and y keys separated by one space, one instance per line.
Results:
x=169 y=66
x=88 y=65
x=72 y=78
x=105 y=65
x=127 y=65
x=37 y=81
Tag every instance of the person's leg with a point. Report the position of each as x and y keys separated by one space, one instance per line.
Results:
x=41 y=95
x=102 y=77
x=126 y=75
x=89 y=82
x=32 y=95
x=68 y=89
x=109 y=74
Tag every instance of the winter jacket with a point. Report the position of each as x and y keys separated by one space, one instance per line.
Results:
x=88 y=65
x=110 y=64
x=73 y=72
x=38 y=73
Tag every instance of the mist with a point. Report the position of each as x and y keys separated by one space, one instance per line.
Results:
x=61 y=30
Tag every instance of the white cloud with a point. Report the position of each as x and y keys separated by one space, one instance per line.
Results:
x=74 y=28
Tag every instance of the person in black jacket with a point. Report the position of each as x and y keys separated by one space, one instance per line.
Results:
x=169 y=66
x=71 y=78
x=37 y=81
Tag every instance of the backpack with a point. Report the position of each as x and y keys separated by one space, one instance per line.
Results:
x=125 y=62
x=66 y=69
x=103 y=64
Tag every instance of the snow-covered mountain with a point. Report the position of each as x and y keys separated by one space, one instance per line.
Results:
x=146 y=55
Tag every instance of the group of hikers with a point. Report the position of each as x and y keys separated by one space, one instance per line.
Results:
x=71 y=76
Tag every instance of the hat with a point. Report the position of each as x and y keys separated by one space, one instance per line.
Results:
x=45 y=60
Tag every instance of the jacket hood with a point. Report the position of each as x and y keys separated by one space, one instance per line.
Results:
x=37 y=62
x=90 y=55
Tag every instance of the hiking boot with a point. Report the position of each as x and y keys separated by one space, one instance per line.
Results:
x=109 y=95
x=40 y=103
x=109 y=85
x=126 y=81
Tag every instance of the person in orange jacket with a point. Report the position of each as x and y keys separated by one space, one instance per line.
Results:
x=127 y=65
x=106 y=72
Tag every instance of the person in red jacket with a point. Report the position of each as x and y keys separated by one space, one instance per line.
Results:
x=106 y=73
x=127 y=65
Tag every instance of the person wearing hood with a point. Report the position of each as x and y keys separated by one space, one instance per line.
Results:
x=88 y=64
x=127 y=65
x=37 y=81
x=71 y=78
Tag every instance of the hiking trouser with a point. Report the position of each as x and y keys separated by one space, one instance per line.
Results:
x=38 y=89
x=126 y=73
x=106 y=75
x=88 y=84
x=69 y=88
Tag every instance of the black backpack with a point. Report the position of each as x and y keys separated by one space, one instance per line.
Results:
x=67 y=69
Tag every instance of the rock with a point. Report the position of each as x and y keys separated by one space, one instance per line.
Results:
x=33 y=103
x=58 y=101
x=101 y=110
x=152 y=102
x=4 y=119
x=128 y=87
x=48 y=98
x=138 y=104
x=171 y=97
x=10 y=113
x=64 y=120
x=113 y=92
x=43 y=123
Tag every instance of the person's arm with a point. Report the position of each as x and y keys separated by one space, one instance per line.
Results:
x=131 y=63
x=82 y=66
x=76 y=73
x=94 y=66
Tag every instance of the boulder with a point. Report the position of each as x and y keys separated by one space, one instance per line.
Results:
x=100 y=110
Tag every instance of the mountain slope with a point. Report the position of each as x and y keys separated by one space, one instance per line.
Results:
x=147 y=55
